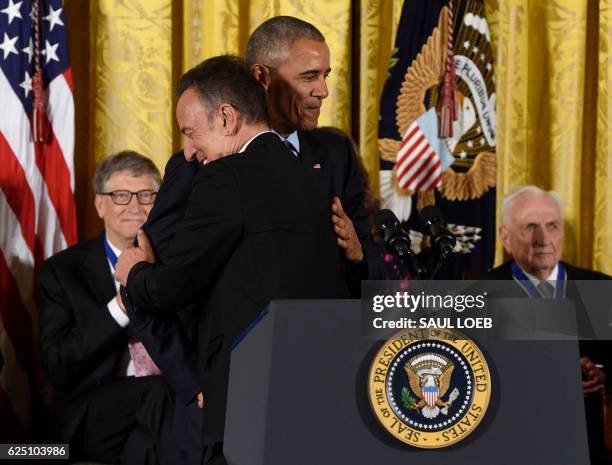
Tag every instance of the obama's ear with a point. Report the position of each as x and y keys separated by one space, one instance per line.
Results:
x=262 y=74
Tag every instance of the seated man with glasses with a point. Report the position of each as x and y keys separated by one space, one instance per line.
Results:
x=106 y=382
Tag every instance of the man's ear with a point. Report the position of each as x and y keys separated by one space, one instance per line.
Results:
x=99 y=204
x=231 y=119
x=262 y=74
x=503 y=234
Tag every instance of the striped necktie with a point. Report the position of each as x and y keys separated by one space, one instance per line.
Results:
x=546 y=289
x=291 y=147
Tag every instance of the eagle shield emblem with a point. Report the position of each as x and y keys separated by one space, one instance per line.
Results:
x=429 y=388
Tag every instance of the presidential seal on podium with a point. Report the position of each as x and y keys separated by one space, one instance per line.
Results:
x=429 y=388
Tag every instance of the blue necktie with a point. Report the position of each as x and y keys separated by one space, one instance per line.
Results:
x=290 y=146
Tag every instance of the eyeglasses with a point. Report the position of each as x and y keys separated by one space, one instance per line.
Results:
x=121 y=197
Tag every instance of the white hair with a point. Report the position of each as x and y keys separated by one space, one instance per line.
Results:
x=527 y=190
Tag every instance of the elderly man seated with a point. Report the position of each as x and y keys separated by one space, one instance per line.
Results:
x=532 y=233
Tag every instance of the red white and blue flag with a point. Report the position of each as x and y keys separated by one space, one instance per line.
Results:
x=37 y=210
x=422 y=156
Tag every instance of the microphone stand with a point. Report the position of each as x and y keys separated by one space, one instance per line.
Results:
x=415 y=265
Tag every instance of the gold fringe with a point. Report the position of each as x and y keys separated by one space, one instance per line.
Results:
x=388 y=149
x=473 y=184
x=425 y=71
x=425 y=198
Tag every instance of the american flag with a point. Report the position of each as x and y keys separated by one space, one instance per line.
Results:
x=422 y=156
x=418 y=166
x=37 y=210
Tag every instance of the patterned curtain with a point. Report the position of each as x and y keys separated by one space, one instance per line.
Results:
x=133 y=69
x=553 y=70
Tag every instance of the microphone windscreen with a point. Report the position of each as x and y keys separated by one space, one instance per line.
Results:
x=385 y=217
x=430 y=214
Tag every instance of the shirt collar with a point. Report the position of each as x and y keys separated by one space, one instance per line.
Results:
x=244 y=147
x=552 y=278
x=292 y=138
x=295 y=140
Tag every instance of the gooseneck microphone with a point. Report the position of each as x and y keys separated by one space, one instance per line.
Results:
x=442 y=239
x=396 y=239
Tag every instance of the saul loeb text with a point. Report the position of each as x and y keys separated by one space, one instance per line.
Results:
x=403 y=310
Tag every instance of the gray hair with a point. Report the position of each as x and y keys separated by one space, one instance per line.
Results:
x=527 y=190
x=127 y=160
x=273 y=38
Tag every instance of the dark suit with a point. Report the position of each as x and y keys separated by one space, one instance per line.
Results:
x=330 y=158
x=170 y=202
x=256 y=228
x=82 y=346
x=504 y=272
x=332 y=162
x=597 y=351
x=170 y=339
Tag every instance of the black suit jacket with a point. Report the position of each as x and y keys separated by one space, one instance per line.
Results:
x=598 y=351
x=331 y=160
x=81 y=342
x=256 y=228
x=170 y=202
x=170 y=339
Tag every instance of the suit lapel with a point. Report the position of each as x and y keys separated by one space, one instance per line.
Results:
x=307 y=151
x=309 y=156
x=97 y=273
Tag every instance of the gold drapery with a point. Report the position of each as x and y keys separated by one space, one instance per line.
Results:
x=133 y=68
x=552 y=66
x=553 y=69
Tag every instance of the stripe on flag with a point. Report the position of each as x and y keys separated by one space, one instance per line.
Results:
x=418 y=164
x=37 y=210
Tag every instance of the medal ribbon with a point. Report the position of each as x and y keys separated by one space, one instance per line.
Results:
x=521 y=278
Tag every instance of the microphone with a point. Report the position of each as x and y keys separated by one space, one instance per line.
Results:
x=443 y=240
x=396 y=239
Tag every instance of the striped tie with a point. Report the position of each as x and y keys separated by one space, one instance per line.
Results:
x=546 y=289
x=290 y=146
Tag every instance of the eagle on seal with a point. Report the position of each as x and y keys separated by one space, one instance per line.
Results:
x=429 y=376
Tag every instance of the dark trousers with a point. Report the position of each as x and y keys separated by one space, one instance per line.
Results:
x=213 y=455
x=187 y=432
x=123 y=418
x=593 y=406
